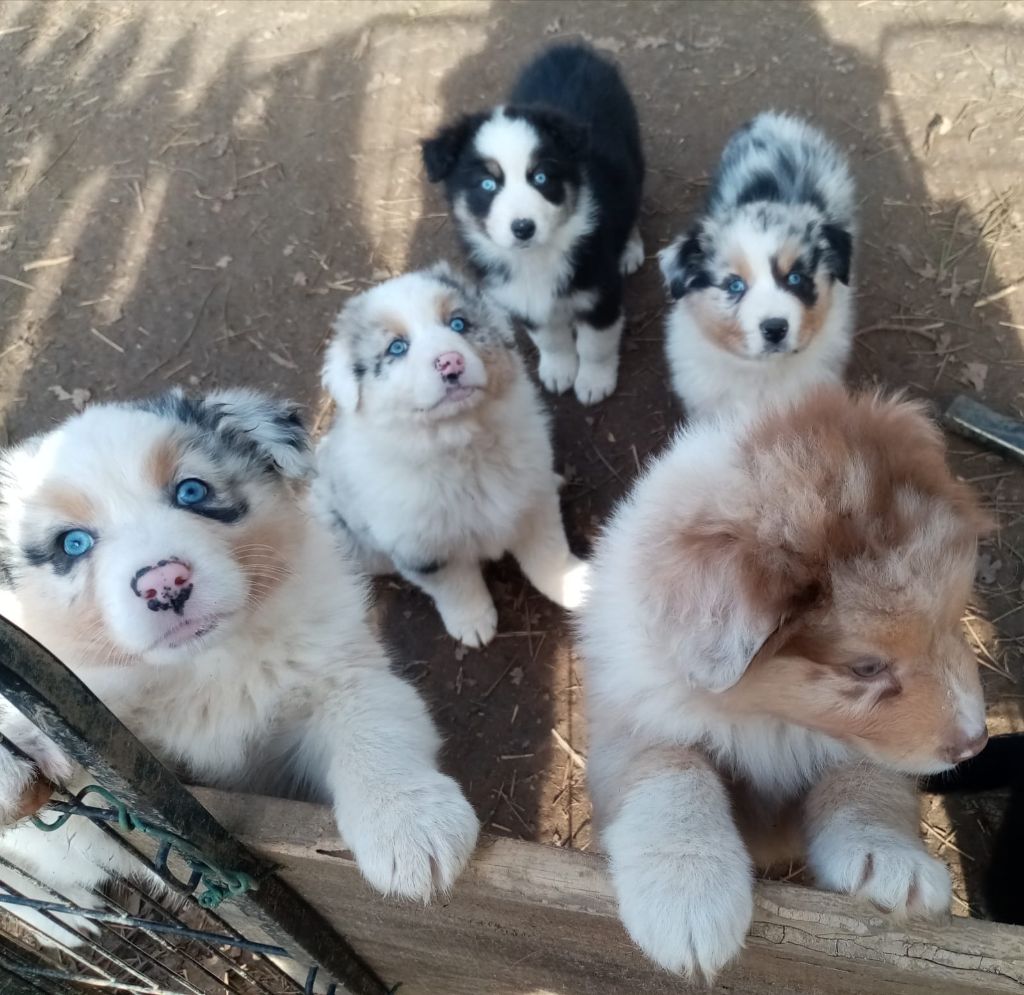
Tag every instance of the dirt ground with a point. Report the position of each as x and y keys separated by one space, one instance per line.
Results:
x=189 y=191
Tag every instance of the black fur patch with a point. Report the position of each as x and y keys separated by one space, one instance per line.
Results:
x=805 y=292
x=689 y=272
x=226 y=514
x=441 y=153
x=427 y=569
x=764 y=186
x=839 y=252
x=52 y=556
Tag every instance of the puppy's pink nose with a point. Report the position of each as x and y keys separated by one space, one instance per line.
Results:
x=450 y=365
x=967 y=746
x=167 y=585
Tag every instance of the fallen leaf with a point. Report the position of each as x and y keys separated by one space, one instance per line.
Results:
x=300 y=279
x=987 y=569
x=938 y=125
x=975 y=375
x=79 y=397
x=645 y=42
x=515 y=676
x=554 y=27
x=613 y=45
x=224 y=262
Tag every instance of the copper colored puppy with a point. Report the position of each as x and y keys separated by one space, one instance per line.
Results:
x=773 y=639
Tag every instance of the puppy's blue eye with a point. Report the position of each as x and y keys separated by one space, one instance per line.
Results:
x=794 y=279
x=399 y=347
x=77 y=542
x=457 y=324
x=191 y=492
x=489 y=184
x=737 y=286
x=539 y=179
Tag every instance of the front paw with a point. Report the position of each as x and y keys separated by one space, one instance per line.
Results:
x=596 y=381
x=896 y=874
x=418 y=840
x=689 y=914
x=557 y=370
x=472 y=625
x=575 y=584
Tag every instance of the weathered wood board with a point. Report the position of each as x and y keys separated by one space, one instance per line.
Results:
x=527 y=919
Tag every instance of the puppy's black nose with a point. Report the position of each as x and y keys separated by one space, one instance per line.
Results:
x=523 y=229
x=774 y=330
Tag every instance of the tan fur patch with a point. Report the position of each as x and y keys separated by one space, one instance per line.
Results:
x=740 y=265
x=444 y=306
x=67 y=504
x=263 y=550
x=162 y=464
x=816 y=314
x=716 y=324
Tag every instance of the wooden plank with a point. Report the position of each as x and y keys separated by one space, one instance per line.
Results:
x=527 y=919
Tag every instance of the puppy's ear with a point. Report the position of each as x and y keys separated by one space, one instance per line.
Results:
x=271 y=427
x=838 y=245
x=569 y=136
x=683 y=265
x=342 y=375
x=718 y=598
x=441 y=153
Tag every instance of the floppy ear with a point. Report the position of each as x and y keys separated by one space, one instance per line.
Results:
x=441 y=153
x=342 y=375
x=838 y=243
x=566 y=134
x=271 y=427
x=682 y=265
x=715 y=594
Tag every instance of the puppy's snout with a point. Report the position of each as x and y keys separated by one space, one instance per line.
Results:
x=774 y=330
x=167 y=585
x=451 y=366
x=523 y=229
x=967 y=744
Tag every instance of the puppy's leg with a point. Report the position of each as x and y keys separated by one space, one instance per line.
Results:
x=681 y=873
x=543 y=553
x=372 y=746
x=863 y=840
x=462 y=598
x=633 y=254
x=598 y=333
x=558 y=359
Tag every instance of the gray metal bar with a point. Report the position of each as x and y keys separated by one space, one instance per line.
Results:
x=975 y=421
x=48 y=694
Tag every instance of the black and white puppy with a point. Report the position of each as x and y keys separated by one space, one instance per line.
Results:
x=545 y=191
x=762 y=280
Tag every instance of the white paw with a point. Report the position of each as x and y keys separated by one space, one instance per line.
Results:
x=557 y=370
x=689 y=916
x=472 y=625
x=894 y=873
x=417 y=841
x=596 y=381
x=575 y=584
x=632 y=255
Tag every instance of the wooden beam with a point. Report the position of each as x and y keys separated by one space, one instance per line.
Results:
x=528 y=919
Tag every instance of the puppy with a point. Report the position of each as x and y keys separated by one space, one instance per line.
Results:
x=545 y=191
x=157 y=549
x=761 y=282
x=773 y=639
x=440 y=457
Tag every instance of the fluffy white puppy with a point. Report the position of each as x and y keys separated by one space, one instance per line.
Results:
x=764 y=309
x=772 y=640
x=440 y=456
x=158 y=550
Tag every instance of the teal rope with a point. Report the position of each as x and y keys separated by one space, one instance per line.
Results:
x=218 y=882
